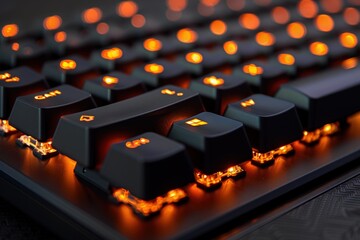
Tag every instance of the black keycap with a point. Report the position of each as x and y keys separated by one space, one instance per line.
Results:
x=116 y=57
x=114 y=87
x=341 y=47
x=73 y=70
x=250 y=49
x=217 y=90
x=325 y=97
x=215 y=142
x=18 y=82
x=148 y=165
x=38 y=114
x=270 y=123
x=162 y=72
x=152 y=111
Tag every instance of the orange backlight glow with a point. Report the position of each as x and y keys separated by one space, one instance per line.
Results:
x=194 y=57
x=146 y=208
x=102 y=28
x=319 y=48
x=137 y=143
x=112 y=53
x=154 y=68
x=10 y=30
x=195 y=122
x=265 y=39
x=332 y=6
x=324 y=23
x=218 y=27
x=215 y=178
x=43 y=148
x=92 y=15
x=15 y=46
x=48 y=95
x=286 y=59
x=138 y=20
x=60 y=37
x=348 y=40
x=296 y=30
x=110 y=80
x=167 y=91
x=52 y=22
x=87 y=118
x=350 y=63
x=280 y=15
x=213 y=81
x=230 y=47
x=351 y=16
x=7 y=77
x=252 y=69
x=249 y=21
x=308 y=8
x=247 y=103
x=263 y=158
x=326 y=130
x=152 y=44
x=6 y=127
x=127 y=9
x=68 y=64
x=186 y=35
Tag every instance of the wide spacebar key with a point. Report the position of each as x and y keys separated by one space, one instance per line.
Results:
x=87 y=136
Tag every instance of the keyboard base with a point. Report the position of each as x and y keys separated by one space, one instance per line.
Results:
x=50 y=192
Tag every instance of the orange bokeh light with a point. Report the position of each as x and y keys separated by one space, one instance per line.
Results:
x=351 y=16
x=218 y=27
x=154 y=68
x=265 y=39
x=186 y=35
x=127 y=9
x=286 y=59
x=280 y=15
x=68 y=64
x=112 y=53
x=52 y=22
x=194 y=57
x=249 y=21
x=296 y=30
x=230 y=47
x=152 y=44
x=348 y=40
x=92 y=15
x=138 y=20
x=324 y=23
x=10 y=30
x=308 y=8
x=60 y=37
x=319 y=48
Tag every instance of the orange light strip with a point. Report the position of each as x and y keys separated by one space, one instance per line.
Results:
x=147 y=208
x=326 y=130
x=6 y=127
x=214 y=179
x=43 y=148
x=264 y=158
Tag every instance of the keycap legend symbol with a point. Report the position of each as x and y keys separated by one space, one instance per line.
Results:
x=8 y=78
x=86 y=118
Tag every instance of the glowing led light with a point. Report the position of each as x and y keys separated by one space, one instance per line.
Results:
x=247 y=103
x=146 y=208
x=127 y=9
x=265 y=39
x=319 y=48
x=110 y=80
x=10 y=30
x=92 y=15
x=324 y=23
x=330 y=128
x=213 y=81
x=137 y=143
x=102 y=28
x=60 y=37
x=332 y=6
x=154 y=68
x=68 y=64
x=194 y=57
x=268 y=157
x=308 y=8
x=167 y=91
x=280 y=15
x=230 y=47
x=249 y=21
x=39 y=148
x=152 y=44
x=86 y=118
x=252 y=69
x=351 y=16
x=8 y=78
x=348 y=40
x=138 y=20
x=350 y=63
x=52 y=22
x=326 y=130
x=186 y=35
x=296 y=30
x=195 y=122
x=112 y=53
x=15 y=46
x=218 y=27
x=216 y=178
x=5 y=127
x=286 y=59
x=48 y=95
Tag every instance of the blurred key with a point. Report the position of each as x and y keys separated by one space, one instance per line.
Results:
x=114 y=87
x=148 y=165
x=152 y=111
x=149 y=48
x=14 y=83
x=271 y=125
x=37 y=115
x=217 y=90
x=217 y=146
x=316 y=103
x=162 y=72
x=73 y=70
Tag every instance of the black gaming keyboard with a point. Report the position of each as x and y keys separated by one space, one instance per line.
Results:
x=175 y=119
